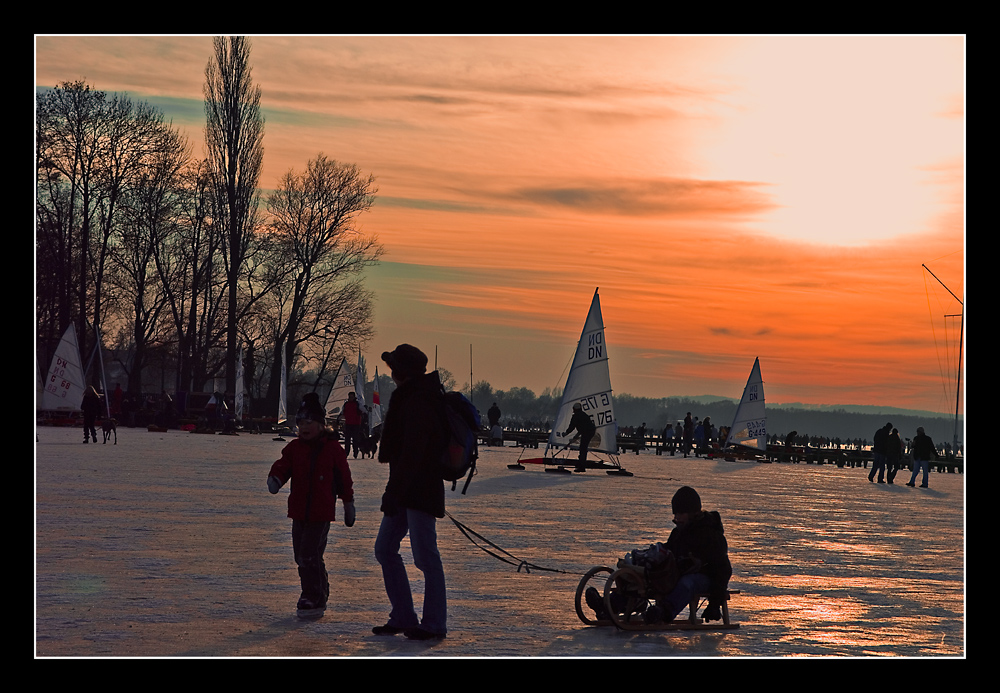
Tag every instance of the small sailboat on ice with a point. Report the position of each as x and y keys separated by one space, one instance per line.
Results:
x=281 y=423
x=747 y=436
x=343 y=385
x=62 y=390
x=589 y=385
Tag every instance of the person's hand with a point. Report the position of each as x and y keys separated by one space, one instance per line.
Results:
x=273 y=484
x=349 y=514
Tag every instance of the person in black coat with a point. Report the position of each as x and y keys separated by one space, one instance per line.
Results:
x=923 y=451
x=699 y=543
x=91 y=406
x=699 y=546
x=413 y=438
x=584 y=425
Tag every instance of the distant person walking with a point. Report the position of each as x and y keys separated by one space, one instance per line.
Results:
x=880 y=446
x=91 y=406
x=640 y=438
x=496 y=432
x=667 y=437
x=494 y=415
x=353 y=423
x=413 y=436
x=688 y=434
x=923 y=451
x=893 y=455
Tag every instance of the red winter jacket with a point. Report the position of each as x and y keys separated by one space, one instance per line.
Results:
x=314 y=497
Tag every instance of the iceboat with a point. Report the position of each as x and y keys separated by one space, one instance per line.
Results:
x=747 y=437
x=343 y=385
x=589 y=383
x=62 y=390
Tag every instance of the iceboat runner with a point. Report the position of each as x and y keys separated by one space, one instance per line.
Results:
x=589 y=385
x=747 y=438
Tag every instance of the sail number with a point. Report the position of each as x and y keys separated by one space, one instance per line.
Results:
x=752 y=394
x=598 y=407
x=756 y=429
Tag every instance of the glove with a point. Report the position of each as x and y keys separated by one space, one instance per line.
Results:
x=273 y=484
x=349 y=514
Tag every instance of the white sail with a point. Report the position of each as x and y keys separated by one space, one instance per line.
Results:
x=749 y=427
x=283 y=392
x=239 y=386
x=343 y=384
x=359 y=381
x=64 y=383
x=589 y=383
x=375 y=419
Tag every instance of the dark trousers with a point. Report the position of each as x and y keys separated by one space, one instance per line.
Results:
x=584 y=446
x=352 y=437
x=308 y=545
x=88 y=426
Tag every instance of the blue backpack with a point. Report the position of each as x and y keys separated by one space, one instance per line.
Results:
x=462 y=424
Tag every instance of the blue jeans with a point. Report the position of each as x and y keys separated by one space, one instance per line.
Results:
x=687 y=587
x=918 y=466
x=878 y=466
x=422 y=529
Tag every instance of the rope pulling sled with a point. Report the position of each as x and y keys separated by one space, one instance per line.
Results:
x=624 y=582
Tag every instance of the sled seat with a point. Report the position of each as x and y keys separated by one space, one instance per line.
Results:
x=698 y=598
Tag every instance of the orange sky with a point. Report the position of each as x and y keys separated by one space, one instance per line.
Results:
x=732 y=197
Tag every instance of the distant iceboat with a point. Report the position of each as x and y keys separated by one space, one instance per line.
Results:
x=64 y=384
x=588 y=383
x=749 y=429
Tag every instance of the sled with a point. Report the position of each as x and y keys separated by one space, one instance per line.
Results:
x=630 y=582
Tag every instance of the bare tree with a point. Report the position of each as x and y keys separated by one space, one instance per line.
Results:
x=152 y=210
x=69 y=136
x=234 y=136
x=322 y=255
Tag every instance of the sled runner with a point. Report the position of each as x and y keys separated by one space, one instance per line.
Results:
x=626 y=597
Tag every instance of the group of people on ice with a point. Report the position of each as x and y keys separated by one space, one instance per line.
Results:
x=887 y=455
x=413 y=438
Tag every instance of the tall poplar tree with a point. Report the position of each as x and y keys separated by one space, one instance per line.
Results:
x=234 y=136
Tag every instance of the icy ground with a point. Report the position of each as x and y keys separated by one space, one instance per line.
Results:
x=169 y=545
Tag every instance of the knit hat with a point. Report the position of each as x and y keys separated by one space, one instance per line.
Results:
x=686 y=500
x=311 y=410
x=406 y=361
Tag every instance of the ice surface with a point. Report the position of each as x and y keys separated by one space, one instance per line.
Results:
x=168 y=544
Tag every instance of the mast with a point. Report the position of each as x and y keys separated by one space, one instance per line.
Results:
x=961 y=336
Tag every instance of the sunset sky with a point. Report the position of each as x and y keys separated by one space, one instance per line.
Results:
x=732 y=197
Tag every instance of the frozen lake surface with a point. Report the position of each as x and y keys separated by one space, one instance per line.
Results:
x=169 y=545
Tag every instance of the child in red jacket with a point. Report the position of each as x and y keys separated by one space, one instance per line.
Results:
x=317 y=465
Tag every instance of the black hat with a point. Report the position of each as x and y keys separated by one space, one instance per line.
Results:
x=310 y=409
x=406 y=361
x=686 y=500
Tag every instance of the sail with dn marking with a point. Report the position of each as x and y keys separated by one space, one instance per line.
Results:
x=589 y=383
x=749 y=427
x=64 y=383
x=343 y=385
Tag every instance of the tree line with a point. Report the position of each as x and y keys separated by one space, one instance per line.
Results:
x=522 y=409
x=179 y=263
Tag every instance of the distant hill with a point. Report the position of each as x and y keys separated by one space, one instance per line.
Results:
x=874 y=409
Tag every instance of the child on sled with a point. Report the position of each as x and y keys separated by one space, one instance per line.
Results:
x=697 y=545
